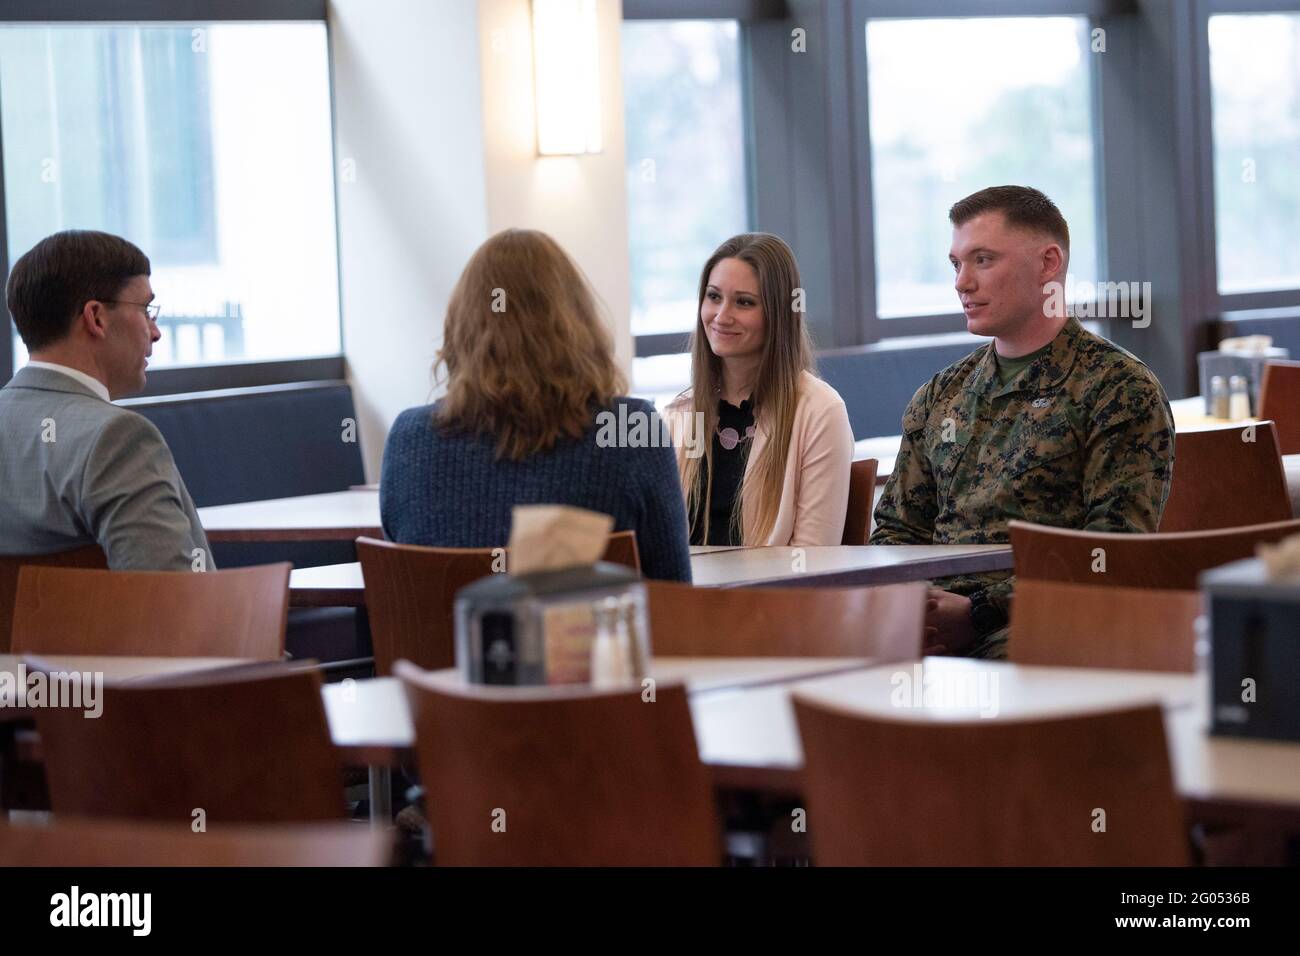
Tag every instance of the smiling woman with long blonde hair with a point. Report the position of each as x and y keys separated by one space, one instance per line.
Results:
x=775 y=469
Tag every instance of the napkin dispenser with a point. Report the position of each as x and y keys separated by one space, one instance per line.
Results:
x=582 y=624
x=1254 y=651
x=1227 y=364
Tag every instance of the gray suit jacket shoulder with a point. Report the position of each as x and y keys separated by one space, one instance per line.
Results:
x=77 y=470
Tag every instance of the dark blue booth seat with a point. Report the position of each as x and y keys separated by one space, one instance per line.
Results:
x=877 y=381
x=249 y=444
x=1282 y=324
x=279 y=441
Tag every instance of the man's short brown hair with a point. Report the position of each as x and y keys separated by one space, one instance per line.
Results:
x=1022 y=206
x=51 y=282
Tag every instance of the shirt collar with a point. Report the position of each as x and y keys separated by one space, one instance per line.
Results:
x=1046 y=371
x=94 y=384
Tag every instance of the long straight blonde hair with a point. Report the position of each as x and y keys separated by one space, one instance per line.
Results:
x=787 y=353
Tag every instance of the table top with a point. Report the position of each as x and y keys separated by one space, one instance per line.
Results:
x=1189 y=415
x=757 y=730
x=748 y=735
x=118 y=669
x=370 y=717
x=847 y=565
x=336 y=516
x=342 y=585
x=754 y=733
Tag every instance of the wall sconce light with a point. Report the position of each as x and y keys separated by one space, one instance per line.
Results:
x=566 y=77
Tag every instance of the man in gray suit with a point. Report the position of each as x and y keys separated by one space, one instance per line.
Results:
x=76 y=469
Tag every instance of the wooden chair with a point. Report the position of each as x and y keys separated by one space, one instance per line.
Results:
x=89 y=557
x=885 y=623
x=1080 y=625
x=1170 y=561
x=78 y=842
x=1279 y=399
x=561 y=777
x=236 y=613
x=989 y=792
x=1221 y=481
x=410 y=592
x=862 y=496
x=247 y=746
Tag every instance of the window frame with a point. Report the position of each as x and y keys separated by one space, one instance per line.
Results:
x=180 y=379
x=847 y=222
x=744 y=12
x=1217 y=304
x=859 y=196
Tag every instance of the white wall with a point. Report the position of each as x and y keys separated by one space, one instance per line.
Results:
x=412 y=204
x=434 y=106
x=580 y=200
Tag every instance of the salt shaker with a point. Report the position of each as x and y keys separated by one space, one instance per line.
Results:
x=606 y=670
x=1238 y=398
x=1218 y=397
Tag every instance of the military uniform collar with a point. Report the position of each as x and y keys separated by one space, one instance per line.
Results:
x=1044 y=372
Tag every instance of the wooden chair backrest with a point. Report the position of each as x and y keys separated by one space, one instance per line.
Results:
x=237 y=613
x=410 y=593
x=989 y=792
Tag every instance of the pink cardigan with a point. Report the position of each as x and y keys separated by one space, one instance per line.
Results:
x=815 y=494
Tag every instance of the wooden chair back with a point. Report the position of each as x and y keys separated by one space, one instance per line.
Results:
x=862 y=496
x=78 y=842
x=410 y=592
x=1167 y=561
x=1279 y=399
x=561 y=777
x=236 y=613
x=1224 y=480
x=884 y=623
x=990 y=792
x=1078 y=625
x=245 y=746
x=88 y=557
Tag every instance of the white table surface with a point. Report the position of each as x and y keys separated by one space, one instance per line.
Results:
x=752 y=728
x=342 y=585
x=846 y=565
x=374 y=712
x=338 y=515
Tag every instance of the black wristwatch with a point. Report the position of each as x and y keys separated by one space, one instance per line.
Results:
x=984 y=615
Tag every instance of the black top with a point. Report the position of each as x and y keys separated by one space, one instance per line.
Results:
x=731 y=445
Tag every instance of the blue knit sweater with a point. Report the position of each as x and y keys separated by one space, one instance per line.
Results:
x=448 y=489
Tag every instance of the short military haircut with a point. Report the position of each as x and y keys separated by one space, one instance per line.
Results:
x=1022 y=206
x=51 y=282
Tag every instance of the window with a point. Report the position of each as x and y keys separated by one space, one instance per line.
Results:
x=1255 y=110
x=686 y=179
x=960 y=104
x=207 y=145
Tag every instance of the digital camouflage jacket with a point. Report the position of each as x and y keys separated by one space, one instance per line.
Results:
x=1082 y=437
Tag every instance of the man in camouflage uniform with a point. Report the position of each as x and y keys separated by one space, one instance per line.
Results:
x=1047 y=423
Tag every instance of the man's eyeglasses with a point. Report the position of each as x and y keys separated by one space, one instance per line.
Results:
x=152 y=309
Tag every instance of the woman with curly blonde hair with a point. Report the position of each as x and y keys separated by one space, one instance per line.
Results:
x=529 y=371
